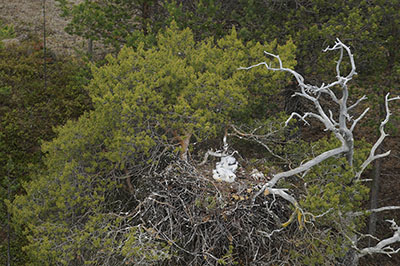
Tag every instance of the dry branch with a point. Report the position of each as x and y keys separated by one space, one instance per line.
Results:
x=383 y=246
x=342 y=126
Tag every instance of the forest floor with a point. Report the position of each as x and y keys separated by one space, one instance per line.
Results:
x=27 y=18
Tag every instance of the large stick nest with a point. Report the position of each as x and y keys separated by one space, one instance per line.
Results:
x=206 y=222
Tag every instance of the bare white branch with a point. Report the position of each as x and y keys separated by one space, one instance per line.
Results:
x=339 y=128
x=320 y=215
x=340 y=46
x=269 y=235
x=383 y=246
x=342 y=131
x=304 y=167
x=386 y=208
x=212 y=153
x=332 y=119
x=372 y=156
x=282 y=193
x=357 y=102
x=257 y=138
x=297 y=115
x=358 y=119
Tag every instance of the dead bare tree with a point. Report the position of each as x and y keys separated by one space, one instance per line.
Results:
x=342 y=125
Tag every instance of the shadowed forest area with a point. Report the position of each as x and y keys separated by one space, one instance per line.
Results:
x=199 y=132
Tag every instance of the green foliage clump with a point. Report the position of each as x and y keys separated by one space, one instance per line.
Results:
x=332 y=190
x=341 y=191
x=114 y=22
x=143 y=100
x=130 y=22
x=193 y=88
x=28 y=113
x=6 y=32
x=206 y=18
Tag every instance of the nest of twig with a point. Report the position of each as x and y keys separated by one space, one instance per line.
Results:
x=206 y=222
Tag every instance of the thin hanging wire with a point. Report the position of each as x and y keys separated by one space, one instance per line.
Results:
x=8 y=225
x=44 y=45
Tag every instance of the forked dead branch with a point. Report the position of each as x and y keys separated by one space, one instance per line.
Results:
x=341 y=124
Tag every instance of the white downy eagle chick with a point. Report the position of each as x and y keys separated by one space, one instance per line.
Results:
x=225 y=169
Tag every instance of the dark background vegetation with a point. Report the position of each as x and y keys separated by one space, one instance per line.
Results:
x=30 y=109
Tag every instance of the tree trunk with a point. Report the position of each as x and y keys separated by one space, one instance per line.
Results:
x=374 y=194
x=376 y=179
x=185 y=146
x=8 y=226
x=90 y=48
x=145 y=16
x=129 y=182
x=184 y=141
x=292 y=104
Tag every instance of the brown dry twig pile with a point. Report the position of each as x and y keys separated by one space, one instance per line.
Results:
x=208 y=222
